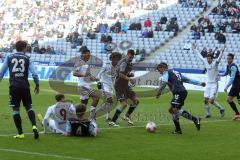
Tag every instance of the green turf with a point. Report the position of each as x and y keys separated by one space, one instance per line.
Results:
x=218 y=138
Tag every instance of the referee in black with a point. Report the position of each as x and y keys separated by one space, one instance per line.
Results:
x=19 y=65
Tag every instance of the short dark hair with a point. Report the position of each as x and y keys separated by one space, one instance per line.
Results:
x=162 y=64
x=115 y=55
x=131 y=51
x=59 y=97
x=210 y=55
x=20 y=45
x=86 y=50
x=80 y=108
x=231 y=55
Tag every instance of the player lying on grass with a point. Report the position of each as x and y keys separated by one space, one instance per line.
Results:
x=85 y=78
x=234 y=81
x=175 y=81
x=64 y=117
x=107 y=77
x=213 y=77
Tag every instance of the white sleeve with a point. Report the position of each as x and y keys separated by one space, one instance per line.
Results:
x=72 y=109
x=199 y=54
x=47 y=116
x=103 y=69
x=220 y=57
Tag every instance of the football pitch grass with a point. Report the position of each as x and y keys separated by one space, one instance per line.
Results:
x=218 y=138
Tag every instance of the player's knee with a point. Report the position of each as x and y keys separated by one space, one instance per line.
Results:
x=95 y=97
x=212 y=101
x=123 y=103
x=173 y=110
x=136 y=102
x=110 y=100
x=205 y=101
x=28 y=108
x=229 y=100
x=84 y=101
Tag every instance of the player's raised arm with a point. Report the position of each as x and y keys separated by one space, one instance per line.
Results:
x=163 y=84
x=221 y=54
x=4 y=68
x=192 y=81
x=35 y=76
x=195 y=50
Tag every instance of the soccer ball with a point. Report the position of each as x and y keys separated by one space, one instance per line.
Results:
x=151 y=127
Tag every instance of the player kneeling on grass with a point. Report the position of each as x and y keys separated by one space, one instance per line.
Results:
x=107 y=77
x=81 y=126
x=175 y=81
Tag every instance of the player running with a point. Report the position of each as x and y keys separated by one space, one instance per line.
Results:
x=123 y=90
x=82 y=71
x=19 y=66
x=211 y=89
x=107 y=77
x=56 y=116
x=234 y=81
x=175 y=81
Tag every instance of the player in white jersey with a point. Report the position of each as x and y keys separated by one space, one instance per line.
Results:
x=85 y=78
x=56 y=116
x=107 y=77
x=212 y=81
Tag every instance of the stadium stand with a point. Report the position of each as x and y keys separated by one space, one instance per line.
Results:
x=180 y=54
x=59 y=45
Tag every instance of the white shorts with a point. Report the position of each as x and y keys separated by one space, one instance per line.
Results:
x=57 y=128
x=107 y=90
x=211 y=90
x=85 y=92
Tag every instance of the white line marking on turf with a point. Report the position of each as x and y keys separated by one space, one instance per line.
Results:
x=126 y=127
x=42 y=154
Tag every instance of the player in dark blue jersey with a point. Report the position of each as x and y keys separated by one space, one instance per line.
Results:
x=80 y=125
x=175 y=81
x=19 y=66
x=234 y=81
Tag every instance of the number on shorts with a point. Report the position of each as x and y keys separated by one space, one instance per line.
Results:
x=176 y=96
x=63 y=113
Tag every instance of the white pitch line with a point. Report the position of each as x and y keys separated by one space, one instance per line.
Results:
x=127 y=127
x=42 y=154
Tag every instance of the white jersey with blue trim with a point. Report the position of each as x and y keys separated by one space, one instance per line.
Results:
x=107 y=74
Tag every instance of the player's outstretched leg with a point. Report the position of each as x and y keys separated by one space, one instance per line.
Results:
x=187 y=115
x=175 y=117
x=95 y=99
x=234 y=107
x=207 y=108
x=117 y=113
x=18 y=123
x=219 y=107
x=132 y=107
